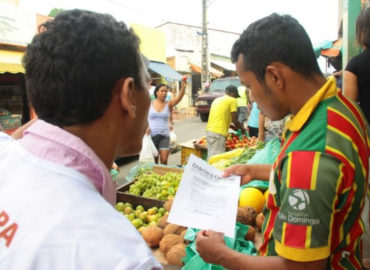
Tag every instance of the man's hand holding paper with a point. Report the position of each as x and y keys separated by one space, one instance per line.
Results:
x=205 y=199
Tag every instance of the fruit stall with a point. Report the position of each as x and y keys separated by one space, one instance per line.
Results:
x=146 y=201
x=198 y=147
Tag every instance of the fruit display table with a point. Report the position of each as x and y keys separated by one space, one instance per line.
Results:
x=149 y=216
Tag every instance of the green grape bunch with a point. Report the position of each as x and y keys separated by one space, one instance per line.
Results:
x=155 y=186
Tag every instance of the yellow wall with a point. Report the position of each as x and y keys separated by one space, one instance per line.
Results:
x=153 y=42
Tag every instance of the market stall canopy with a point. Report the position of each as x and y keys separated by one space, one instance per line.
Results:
x=224 y=65
x=334 y=50
x=11 y=61
x=328 y=48
x=165 y=70
x=195 y=68
x=214 y=72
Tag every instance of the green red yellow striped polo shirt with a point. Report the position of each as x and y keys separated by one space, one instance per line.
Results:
x=319 y=184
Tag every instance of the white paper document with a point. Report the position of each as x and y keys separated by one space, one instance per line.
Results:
x=205 y=200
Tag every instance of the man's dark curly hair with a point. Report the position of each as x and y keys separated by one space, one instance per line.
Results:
x=73 y=65
x=276 y=38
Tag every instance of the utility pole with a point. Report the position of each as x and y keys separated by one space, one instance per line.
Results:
x=205 y=53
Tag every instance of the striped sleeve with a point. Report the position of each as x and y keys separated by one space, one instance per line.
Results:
x=309 y=186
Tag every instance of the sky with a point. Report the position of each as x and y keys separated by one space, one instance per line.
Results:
x=319 y=17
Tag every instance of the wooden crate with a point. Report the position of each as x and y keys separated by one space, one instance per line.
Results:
x=188 y=148
x=122 y=196
x=138 y=200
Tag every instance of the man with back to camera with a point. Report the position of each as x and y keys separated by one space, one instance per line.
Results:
x=223 y=112
x=86 y=80
x=317 y=208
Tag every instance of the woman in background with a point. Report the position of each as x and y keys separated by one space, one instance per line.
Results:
x=356 y=75
x=160 y=120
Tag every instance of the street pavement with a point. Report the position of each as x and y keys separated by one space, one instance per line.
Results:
x=186 y=129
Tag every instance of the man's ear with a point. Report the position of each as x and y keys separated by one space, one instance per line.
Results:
x=274 y=76
x=126 y=96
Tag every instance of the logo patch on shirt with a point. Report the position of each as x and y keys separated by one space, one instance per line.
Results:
x=299 y=199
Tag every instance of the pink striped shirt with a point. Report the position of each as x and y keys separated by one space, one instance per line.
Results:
x=54 y=144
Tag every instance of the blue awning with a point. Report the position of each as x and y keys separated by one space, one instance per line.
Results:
x=165 y=70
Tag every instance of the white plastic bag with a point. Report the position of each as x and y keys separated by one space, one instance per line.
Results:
x=148 y=150
x=173 y=139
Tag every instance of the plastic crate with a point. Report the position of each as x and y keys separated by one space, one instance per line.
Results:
x=188 y=148
x=11 y=121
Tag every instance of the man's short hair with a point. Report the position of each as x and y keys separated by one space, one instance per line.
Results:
x=231 y=89
x=73 y=65
x=276 y=38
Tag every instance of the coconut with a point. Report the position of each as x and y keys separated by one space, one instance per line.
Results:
x=251 y=233
x=182 y=234
x=180 y=230
x=163 y=221
x=152 y=235
x=259 y=221
x=246 y=215
x=170 y=228
x=168 y=241
x=175 y=254
x=168 y=205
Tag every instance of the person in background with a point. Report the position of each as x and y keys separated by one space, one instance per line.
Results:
x=223 y=112
x=160 y=119
x=242 y=104
x=356 y=75
x=317 y=207
x=253 y=121
x=88 y=85
x=357 y=86
x=268 y=130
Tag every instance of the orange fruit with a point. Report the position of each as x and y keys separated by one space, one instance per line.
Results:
x=252 y=197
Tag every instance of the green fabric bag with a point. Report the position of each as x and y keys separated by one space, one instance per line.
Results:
x=267 y=154
x=192 y=259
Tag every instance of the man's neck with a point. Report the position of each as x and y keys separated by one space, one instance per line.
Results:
x=302 y=90
x=92 y=135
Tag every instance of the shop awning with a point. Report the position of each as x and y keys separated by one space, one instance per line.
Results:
x=224 y=65
x=11 y=61
x=195 y=68
x=165 y=70
x=328 y=48
x=213 y=71
x=334 y=50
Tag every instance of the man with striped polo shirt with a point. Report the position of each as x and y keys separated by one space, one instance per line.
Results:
x=317 y=208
